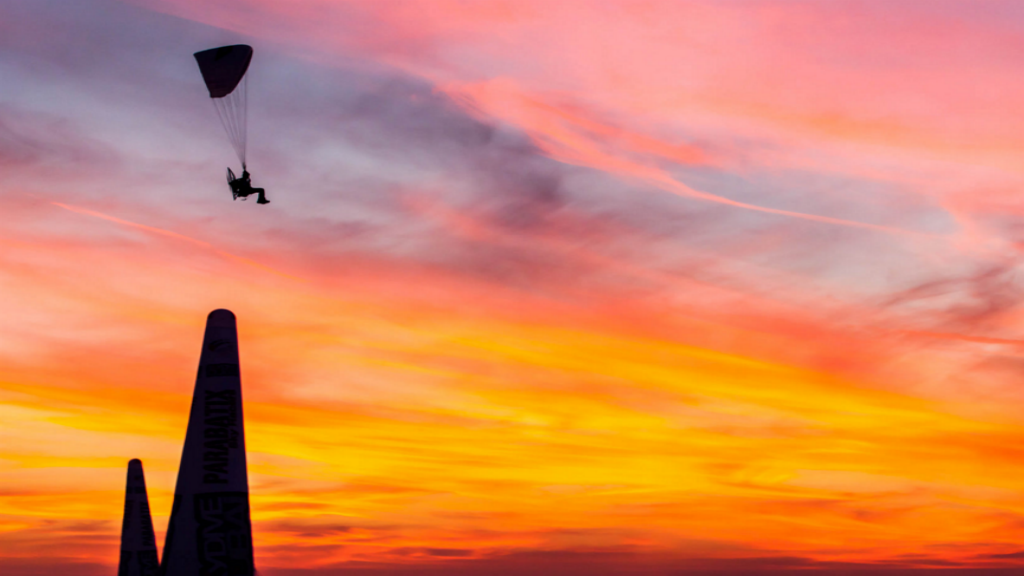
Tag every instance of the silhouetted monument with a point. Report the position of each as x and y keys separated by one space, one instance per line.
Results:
x=138 y=544
x=210 y=533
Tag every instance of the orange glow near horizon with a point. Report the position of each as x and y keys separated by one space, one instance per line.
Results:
x=644 y=288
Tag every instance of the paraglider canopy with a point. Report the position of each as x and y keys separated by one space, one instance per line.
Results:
x=224 y=71
x=224 y=67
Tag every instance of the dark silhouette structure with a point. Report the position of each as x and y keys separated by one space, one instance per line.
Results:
x=210 y=532
x=138 y=544
x=241 y=187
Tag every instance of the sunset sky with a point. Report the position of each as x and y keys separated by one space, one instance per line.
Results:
x=545 y=287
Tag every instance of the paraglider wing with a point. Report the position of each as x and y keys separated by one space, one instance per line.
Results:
x=224 y=67
x=224 y=71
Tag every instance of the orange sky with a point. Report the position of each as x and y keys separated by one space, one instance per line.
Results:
x=577 y=287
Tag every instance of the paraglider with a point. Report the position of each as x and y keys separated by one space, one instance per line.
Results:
x=223 y=70
x=241 y=186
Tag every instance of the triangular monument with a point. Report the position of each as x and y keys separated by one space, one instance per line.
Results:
x=210 y=533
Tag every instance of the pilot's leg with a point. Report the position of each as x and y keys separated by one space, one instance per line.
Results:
x=262 y=197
